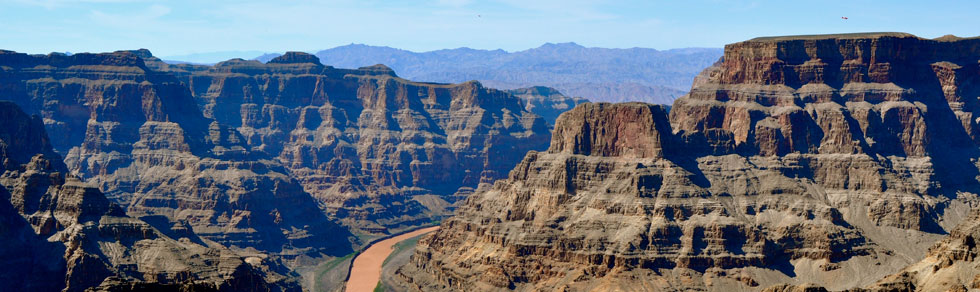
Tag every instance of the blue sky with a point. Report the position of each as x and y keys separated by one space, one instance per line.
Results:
x=184 y=27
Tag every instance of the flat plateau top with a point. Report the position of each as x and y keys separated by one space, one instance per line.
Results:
x=859 y=35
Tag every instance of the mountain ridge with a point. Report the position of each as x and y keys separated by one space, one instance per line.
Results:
x=599 y=74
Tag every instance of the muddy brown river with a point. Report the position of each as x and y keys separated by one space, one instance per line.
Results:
x=366 y=272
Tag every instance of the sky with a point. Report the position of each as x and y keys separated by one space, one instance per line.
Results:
x=171 y=28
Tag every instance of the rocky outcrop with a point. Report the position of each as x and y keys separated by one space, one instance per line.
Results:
x=377 y=151
x=58 y=234
x=630 y=130
x=546 y=102
x=832 y=160
x=125 y=123
x=296 y=58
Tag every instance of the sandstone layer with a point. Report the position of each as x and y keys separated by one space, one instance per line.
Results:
x=834 y=160
x=57 y=233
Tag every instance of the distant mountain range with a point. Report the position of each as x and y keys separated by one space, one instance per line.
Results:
x=599 y=74
x=211 y=57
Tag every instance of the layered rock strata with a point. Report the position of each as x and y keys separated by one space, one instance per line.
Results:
x=834 y=160
x=375 y=150
x=56 y=233
x=135 y=131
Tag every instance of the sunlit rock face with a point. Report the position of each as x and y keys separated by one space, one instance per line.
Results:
x=834 y=160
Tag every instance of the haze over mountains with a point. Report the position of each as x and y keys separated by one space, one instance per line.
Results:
x=598 y=74
x=211 y=57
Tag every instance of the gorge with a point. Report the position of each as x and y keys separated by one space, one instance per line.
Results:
x=798 y=163
x=289 y=161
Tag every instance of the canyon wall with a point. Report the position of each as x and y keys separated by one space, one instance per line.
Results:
x=137 y=134
x=289 y=161
x=833 y=160
x=56 y=233
x=375 y=150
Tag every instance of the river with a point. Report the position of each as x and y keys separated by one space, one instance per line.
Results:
x=366 y=270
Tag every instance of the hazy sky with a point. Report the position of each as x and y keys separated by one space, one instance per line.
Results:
x=193 y=26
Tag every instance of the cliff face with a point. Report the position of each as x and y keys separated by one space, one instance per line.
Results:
x=58 y=234
x=899 y=107
x=137 y=134
x=630 y=130
x=376 y=150
x=880 y=84
x=834 y=160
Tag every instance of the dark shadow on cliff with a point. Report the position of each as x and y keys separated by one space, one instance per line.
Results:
x=685 y=148
x=951 y=148
x=29 y=262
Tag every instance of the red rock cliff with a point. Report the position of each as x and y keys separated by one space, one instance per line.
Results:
x=627 y=130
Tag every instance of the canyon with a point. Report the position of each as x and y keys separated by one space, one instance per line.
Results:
x=138 y=136
x=372 y=149
x=800 y=163
x=288 y=163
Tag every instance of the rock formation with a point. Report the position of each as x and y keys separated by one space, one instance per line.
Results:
x=56 y=233
x=135 y=131
x=375 y=150
x=835 y=160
